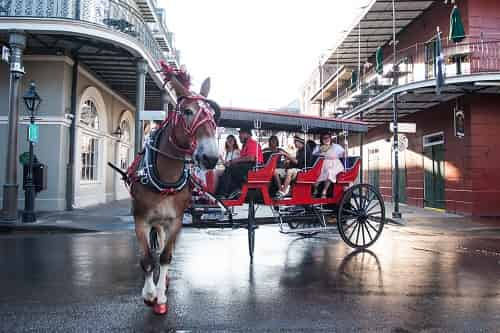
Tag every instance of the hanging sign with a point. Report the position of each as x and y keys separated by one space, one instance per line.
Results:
x=459 y=123
x=404 y=127
x=33 y=133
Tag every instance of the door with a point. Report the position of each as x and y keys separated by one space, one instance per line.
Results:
x=434 y=176
x=373 y=168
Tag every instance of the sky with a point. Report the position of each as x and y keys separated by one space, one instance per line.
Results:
x=259 y=53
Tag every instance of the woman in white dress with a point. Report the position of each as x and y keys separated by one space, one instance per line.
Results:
x=332 y=165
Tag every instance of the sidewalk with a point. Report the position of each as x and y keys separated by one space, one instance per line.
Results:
x=434 y=220
x=115 y=216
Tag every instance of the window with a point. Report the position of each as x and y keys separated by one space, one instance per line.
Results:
x=89 y=144
x=124 y=151
x=88 y=115
x=88 y=152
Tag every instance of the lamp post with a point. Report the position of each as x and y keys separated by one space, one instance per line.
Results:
x=395 y=72
x=32 y=101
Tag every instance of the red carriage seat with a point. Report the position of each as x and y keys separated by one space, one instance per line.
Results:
x=258 y=178
x=350 y=174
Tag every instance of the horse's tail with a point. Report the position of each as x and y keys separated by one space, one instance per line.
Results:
x=120 y=171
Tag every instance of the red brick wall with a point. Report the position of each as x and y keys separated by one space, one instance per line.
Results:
x=485 y=156
x=484 y=16
x=424 y=27
x=458 y=185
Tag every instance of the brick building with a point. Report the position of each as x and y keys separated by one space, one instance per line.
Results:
x=444 y=166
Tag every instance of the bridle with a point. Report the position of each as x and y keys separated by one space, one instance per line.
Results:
x=208 y=113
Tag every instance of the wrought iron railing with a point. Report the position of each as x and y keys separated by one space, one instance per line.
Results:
x=477 y=54
x=113 y=14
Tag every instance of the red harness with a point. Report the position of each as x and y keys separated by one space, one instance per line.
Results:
x=204 y=115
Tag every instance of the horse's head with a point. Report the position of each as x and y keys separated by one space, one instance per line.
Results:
x=195 y=126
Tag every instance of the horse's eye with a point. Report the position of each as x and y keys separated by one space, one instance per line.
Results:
x=187 y=112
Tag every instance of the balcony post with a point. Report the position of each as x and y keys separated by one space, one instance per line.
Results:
x=140 y=91
x=17 y=43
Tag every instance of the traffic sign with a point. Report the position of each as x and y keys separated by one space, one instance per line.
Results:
x=402 y=142
x=404 y=127
x=33 y=133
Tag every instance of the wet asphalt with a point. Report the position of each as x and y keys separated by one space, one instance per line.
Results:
x=409 y=281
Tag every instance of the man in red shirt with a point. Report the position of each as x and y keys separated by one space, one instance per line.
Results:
x=237 y=169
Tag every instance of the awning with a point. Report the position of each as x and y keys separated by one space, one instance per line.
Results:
x=374 y=29
x=283 y=121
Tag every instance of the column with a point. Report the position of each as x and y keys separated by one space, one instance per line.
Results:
x=140 y=91
x=17 y=42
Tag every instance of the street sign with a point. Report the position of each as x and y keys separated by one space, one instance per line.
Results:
x=404 y=127
x=152 y=115
x=33 y=133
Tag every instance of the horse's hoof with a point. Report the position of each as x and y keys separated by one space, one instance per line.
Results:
x=160 y=309
x=150 y=303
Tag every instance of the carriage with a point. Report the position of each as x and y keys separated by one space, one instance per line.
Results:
x=355 y=209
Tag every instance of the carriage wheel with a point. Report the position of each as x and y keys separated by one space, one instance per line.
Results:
x=361 y=216
x=251 y=228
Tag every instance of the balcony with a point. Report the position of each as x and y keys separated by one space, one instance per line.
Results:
x=416 y=64
x=106 y=36
x=116 y=15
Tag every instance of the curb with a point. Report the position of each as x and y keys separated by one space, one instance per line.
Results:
x=9 y=228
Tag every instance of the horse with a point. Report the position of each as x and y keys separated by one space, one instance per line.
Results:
x=161 y=188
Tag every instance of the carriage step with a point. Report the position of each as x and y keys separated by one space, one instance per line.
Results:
x=307 y=230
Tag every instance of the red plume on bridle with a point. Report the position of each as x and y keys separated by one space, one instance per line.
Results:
x=169 y=72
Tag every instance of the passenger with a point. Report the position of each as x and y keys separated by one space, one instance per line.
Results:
x=332 y=165
x=232 y=151
x=237 y=169
x=302 y=159
x=272 y=148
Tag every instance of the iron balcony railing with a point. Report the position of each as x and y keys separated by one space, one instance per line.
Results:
x=417 y=63
x=117 y=15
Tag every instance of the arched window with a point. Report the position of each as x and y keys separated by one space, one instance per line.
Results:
x=89 y=144
x=125 y=144
x=88 y=115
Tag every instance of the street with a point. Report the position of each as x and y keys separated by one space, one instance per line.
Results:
x=411 y=280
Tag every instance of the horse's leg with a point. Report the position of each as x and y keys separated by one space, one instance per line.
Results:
x=165 y=260
x=142 y=231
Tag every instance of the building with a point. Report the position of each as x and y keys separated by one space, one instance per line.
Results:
x=450 y=162
x=95 y=64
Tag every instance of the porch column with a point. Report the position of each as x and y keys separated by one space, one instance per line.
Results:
x=142 y=69
x=17 y=42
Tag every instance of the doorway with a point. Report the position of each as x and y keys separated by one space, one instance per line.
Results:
x=434 y=171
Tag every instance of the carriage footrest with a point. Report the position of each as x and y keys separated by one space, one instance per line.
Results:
x=304 y=230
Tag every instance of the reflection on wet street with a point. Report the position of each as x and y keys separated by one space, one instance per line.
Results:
x=406 y=282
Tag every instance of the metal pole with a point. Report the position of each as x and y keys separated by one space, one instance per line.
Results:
x=395 y=182
x=17 y=42
x=142 y=68
x=29 y=187
x=70 y=171
x=361 y=141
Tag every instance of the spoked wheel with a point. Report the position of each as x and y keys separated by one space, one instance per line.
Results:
x=251 y=228
x=361 y=216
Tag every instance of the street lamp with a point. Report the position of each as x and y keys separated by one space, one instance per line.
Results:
x=32 y=101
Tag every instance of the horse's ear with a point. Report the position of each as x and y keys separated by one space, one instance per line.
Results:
x=205 y=87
